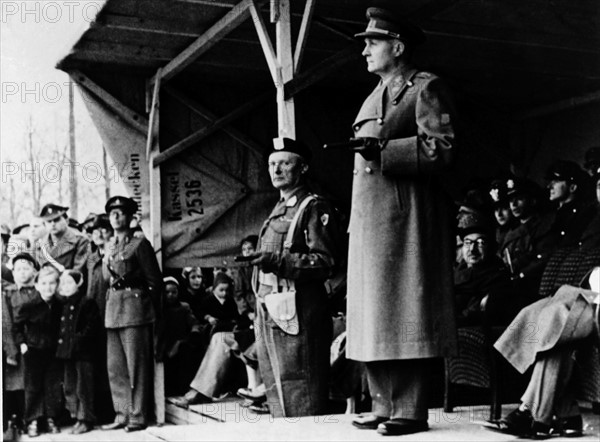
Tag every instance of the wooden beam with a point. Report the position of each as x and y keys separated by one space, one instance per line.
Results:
x=309 y=8
x=285 y=105
x=558 y=106
x=212 y=118
x=212 y=36
x=134 y=119
x=104 y=49
x=200 y=134
x=154 y=112
x=265 y=40
x=322 y=70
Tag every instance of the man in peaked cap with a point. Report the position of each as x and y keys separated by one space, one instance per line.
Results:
x=133 y=305
x=567 y=185
x=294 y=358
x=401 y=218
x=63 y=246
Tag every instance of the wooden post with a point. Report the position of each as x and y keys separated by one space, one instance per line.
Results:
x=152 y=149
x=285 y=58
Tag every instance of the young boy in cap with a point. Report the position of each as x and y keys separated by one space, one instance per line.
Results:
x=35 y=327
x=132 y=306
x=80 y=328
x=13 y=295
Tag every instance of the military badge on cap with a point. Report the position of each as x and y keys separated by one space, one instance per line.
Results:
x=52 y=211
x=325 y=219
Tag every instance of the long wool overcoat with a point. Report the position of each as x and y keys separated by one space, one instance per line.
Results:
x=400 y=299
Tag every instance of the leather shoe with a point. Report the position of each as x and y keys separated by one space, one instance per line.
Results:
x=571 y=426
x=51 y=426
x=82 y=427
x=368 y=421
x=398 y=426
x=247 y=393
x=32 y=429
x=113 y=426
x=259 y=408
x=135 y=427
x=192 y=397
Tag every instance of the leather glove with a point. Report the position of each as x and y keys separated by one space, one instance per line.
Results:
x=370 y=149
x=266 y=261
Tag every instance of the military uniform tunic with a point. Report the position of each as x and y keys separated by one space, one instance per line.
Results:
x=131 y=301
x=70 y=250
x=295 y=367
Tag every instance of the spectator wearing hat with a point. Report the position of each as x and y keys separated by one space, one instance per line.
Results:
x=35 y=328
x=505 y=221
x=133 y=305
x=293 y=348
x=13 y=295
x=400 y=259
x=63 y=246
x=182 y=340
x=527 y=247
x=567 y=184
x=481 y=277
x=80 y=328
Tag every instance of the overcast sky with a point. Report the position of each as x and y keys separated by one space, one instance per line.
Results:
x=34 y=36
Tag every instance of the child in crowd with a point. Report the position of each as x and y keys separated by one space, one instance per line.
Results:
x=220 y=310
x=80 y=328
x=35 y=328
x=182 y=341
x=194 y=291
x=25 y=268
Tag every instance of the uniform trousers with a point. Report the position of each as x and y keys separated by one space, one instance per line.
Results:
x=129 y=363
x=216 y=366
x=79 y=385
x=295 y=368
x=550 y=391
x=43 y=384
x=399 y=388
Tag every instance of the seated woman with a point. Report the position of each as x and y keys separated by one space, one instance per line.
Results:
x=211 y=380
x=182 y=352
x=543 y=335
x=194 y=291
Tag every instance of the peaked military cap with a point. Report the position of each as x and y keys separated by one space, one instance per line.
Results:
x=568 y=171
x=52 y=211
x=293 y=146
x=24 y=256
x=522 y=186
x=499 y=192
x=101 y=222
x=127 y=205
x=384 y=22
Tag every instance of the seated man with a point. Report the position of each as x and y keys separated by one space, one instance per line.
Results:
x=480 y=273
x=542 y=335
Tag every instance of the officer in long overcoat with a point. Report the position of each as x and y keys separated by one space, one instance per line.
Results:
x=400 y=301
x=132 y=302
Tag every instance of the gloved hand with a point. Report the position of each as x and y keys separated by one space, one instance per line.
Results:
x=370 y=148
x=266 y=261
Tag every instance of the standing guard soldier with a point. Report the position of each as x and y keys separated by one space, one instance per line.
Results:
x=132 y=305
x=63 y=246
x=293 y=338
x=400 y=300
